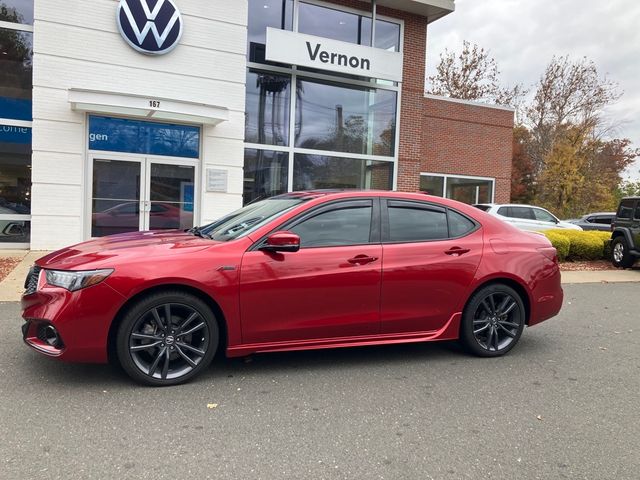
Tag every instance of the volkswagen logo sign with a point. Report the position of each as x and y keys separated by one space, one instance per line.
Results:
x=153 y=27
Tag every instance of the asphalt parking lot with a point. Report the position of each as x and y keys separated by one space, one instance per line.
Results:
x=563 y=404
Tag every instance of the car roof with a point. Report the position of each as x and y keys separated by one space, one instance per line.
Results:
x=599 y=213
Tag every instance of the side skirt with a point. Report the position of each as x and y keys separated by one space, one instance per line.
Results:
x=450 y=331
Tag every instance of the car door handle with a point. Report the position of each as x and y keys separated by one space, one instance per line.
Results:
x=362 y=260
x=457 y=251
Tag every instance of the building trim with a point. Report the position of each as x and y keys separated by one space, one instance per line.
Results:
x=468 y=102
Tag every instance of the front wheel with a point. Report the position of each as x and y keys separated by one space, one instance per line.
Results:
x=492 y=321
x=167 y=338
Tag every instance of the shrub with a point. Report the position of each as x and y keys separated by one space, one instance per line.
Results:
x=561 y=244
x=589 y=245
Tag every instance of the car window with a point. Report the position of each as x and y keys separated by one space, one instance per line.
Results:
x=485 y=208
x=603 y=220
x=525 y=213
x=626 y=209
x=504 y=211
x=459 y=225
x=339 y=227
x=637 y=214
x=543 y=216
x=127 y=209
x=409 y=224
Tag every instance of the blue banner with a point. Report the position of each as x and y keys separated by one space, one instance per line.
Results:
x=15 y=108
x=11 y=134
x=136 y=136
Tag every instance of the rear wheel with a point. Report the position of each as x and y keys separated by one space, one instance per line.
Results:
x=493 y=321
x=167 y=338
x=620 y=256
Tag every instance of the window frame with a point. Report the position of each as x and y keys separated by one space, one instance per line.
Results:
x=415 y=204
x=339 y=204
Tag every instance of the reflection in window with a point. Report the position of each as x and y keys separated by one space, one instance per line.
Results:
x=265 y=174
x=267 y=108
x=432 y=185
x=345 y=226
x=15 y=170
x=263 y=14
x=319 y=171
x=347 y=27
x=358 y=120
x=16 y=11
x=16 y=68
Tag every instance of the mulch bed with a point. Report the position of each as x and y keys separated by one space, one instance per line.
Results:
x=7 y=264
x=594 y=265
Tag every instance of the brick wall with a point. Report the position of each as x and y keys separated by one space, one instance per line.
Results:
x=441 y=136
x=460 y=138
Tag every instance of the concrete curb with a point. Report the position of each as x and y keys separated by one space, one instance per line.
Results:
x=601 y=276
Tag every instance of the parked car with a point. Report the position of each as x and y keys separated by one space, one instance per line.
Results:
x=526 y=217
x=600 y=221
x=625 y=236
x=304 y=270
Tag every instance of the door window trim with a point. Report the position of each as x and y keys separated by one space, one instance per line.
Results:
x=387 y=203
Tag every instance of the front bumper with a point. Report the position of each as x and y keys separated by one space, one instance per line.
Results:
x=81 y=320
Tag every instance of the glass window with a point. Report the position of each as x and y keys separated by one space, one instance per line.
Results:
x=16 y=68
x=15 y=170
x=346 y=119
x=345 y=226
x=16 y=11
x=626 y=209
x=525 y=213
x=408 y=224
x=265 y=174
x=135 y=136
x=432 y=185
x=607 y=220
x=311 y=172
x=469 y=190
x=486 y=208
x=267 y=108
x=348 y=27
x=543 y=216
x=459 y=225
x=263 y=14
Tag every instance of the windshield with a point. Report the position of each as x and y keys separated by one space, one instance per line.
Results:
x=247 y=219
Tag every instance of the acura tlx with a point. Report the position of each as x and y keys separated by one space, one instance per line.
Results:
x=304 y=270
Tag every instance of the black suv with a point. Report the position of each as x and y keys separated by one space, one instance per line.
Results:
x=625 y=239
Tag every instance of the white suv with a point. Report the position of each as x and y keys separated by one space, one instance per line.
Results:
x=526 y=217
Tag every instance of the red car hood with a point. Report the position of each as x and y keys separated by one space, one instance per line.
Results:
x=116 y=248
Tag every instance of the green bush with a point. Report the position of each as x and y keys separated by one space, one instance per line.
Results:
x=561 y=244
x=589 y=245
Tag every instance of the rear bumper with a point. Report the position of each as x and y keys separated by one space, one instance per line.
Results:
x=547 y=297
x=81 y=320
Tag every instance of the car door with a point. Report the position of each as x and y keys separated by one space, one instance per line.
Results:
x=430 y=257
x=329 y=288
x=545 y=220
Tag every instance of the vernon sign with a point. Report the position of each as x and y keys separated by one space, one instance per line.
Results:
x=332 y=55
x=154 y=28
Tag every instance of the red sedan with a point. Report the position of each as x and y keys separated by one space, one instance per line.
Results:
x=304 y=270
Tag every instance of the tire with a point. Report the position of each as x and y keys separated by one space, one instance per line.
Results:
x=492 y=321
x=620 y=256
x=155 y=353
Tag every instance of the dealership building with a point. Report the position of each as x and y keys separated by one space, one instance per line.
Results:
x=127 y=115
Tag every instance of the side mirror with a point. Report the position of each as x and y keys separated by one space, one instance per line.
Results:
x=282 y=242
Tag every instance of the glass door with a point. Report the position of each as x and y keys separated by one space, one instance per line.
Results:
x=116 y=199
x=130 y=195
x=171 y=196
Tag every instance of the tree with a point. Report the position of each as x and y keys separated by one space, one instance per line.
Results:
x=472 y=75
x=522 y=171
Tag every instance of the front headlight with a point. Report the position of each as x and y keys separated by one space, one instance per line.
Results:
x=73 y=281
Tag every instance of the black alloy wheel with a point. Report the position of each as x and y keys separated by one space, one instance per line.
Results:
x=167 y=338
x=493 y=321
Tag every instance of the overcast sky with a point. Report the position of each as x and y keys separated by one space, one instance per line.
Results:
x=522 y=35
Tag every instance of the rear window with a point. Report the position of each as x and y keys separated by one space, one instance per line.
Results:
x=626 y=209
x=484 y=208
